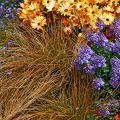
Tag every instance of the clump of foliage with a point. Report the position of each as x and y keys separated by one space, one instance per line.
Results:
x=101 y=56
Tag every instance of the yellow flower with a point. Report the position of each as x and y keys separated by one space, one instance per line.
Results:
x=116 y=2
x=64 y=8
x=107 y=18
x=80 y=5
x=92 y=11
x=93 y=23
x=38 y=22
x=26 y=1
x=49 y=4
x=24 y=8
x=108 y=8
x=33 y=6
x=23 y=16
x=25 y=11
x=118 y=10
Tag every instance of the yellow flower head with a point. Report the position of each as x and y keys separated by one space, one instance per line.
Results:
x=33 y=6
x=107 y=18
x=49 y=4
x=26 y=1
x=38 y=22
x=108 y=8
x=93 y=23
x=23 y=16
x=80 y=5
x=64 y=8
x=92 y=11
x=118 y=10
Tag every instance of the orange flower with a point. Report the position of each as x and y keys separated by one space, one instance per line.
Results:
x=117 y=116
x=65 y=21
x=38 y=1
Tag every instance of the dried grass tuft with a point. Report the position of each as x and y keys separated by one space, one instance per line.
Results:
x=37 y=81
x=38 y=63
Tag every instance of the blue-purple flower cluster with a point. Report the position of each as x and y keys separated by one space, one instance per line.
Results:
x=98 y=83
x=101 y=56
x=115 y=73
x=7 y=11
x=104 y=109
x=89 y=59
x=99 y=38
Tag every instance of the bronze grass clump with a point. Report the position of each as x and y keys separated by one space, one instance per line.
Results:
x=38 y=63
x=37 y=81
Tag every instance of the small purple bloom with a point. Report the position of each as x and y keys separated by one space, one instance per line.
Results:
x=115 y=73
x=98 y=83
x=9 y=73
x=113 y=103
x=100 y=25
x=98 y=61
x=89 y=68
x=104 y=112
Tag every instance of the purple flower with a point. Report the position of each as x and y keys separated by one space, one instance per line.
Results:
x=88 y=59
x=115 y=62
x=117 y=35
x=10 y=42
x=115 y=73
x=116 y=24
x=113 y=102
x=98 y=39
x=89 y=68
x=98 y=83
x=98 y=61
x=115 y=83
x=2 y=24
x=9 y=73
x=114 y=47
x=91 y=36
x=104 y=112
x=84 y=54
x=100 y=25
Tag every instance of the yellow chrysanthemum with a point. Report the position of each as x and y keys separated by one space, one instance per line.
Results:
x=24 y=8
x=92 y=11
x=80 y=5
x=108 y=8
x=38 y=22
x=64 y=8
x=26 y=1
x=107 y=18
x=49 y=4
x=118 y=10
x=93 y=23
x=23 y=16
x=33 y=6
